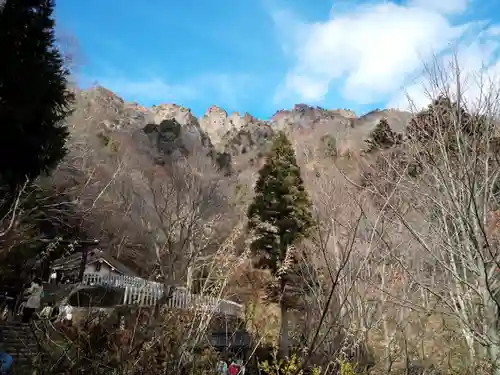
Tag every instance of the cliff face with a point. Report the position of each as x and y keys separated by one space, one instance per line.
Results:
x=100 y=111
x=234 y=144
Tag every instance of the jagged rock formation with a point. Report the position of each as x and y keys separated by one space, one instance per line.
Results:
x=217 y=123
x=233 y=144
x=303 y=115
x=236 y=139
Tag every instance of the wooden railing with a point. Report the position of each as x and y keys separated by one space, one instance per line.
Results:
x=149 y=293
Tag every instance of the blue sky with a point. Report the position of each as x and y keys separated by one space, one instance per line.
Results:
x=258 y=56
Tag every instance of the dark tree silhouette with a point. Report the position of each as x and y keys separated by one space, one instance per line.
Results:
x=34 y=97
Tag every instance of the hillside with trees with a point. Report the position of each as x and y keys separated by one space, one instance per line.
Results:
x=356 y=244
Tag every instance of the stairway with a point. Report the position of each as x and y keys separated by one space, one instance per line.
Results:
x=236 y=339
x=19 y=340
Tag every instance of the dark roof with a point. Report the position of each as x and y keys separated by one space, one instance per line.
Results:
x=73 y=261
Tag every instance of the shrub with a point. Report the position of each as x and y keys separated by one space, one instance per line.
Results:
x=223 y=161
x=290 y=366
x=329 y=144
x=104 y=138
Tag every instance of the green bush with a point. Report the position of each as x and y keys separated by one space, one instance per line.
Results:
x=288 y=366
x=329 y=144
x=347 y=368
x=382 y=137
x=224 y=161
x=170 y=126
x=104 y=138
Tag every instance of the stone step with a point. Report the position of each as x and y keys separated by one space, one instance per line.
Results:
x=17 y=334
x=23 y=340
x=23 y=356
x=27 y=337
x=21 y=350
x=24 y=347
x=21 y=353
x=15 y=348
x=20 y=341
x=16 y=331
x=30 y=341
x=20 y=344
x=12 y=332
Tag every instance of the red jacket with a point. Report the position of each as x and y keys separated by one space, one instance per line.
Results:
x=234 y=369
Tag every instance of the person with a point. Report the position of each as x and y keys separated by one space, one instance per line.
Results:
x=9 y=302
x=5 y=313
x=33 y=303
x=66 y=314
x=6 y=362
x=242 y=366
x=222 y=368
x=54 y=314
x=21 y=308
x=46 y=312
x=234 y=368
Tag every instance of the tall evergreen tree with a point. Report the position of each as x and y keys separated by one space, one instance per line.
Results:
x=382 y=137
x=34 y=98
x=278 y=217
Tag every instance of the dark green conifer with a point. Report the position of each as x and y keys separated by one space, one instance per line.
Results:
x=278 y=217
x=34 y=98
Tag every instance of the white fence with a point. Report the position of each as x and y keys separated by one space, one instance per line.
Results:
x=119 y=281
x=180 y=299
x=148 y=293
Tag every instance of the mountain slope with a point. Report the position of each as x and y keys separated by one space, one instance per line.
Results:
x=124 y=156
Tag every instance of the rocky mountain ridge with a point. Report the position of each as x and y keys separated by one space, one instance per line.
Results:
x=239 y=140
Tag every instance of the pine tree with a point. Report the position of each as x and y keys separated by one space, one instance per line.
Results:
x=34 y=99
x=278 y=217
x=382 y=137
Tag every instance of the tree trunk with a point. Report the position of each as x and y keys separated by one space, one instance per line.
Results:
x=284 y=344
x=189 y=277
x=494 y=357
x=491 y=327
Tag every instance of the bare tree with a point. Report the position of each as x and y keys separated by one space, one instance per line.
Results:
x=338 y=311
x=444 y=191
x=71 y=51
x=8 y=222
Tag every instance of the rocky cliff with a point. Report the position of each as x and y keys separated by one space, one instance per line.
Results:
x=102 y=112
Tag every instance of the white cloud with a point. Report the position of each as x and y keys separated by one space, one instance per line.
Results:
x=494 y=31
x=479 y=75
x=369 y=52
